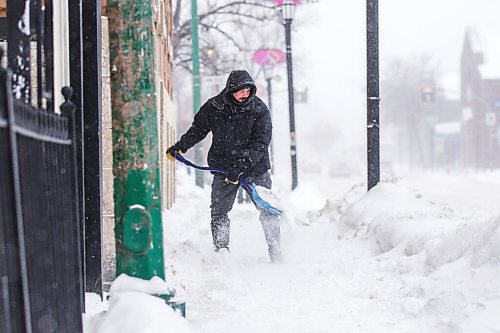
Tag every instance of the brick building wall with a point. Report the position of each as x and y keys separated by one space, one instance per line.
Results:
x=164 y=97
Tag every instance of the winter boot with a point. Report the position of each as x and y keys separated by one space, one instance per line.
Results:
x=221 y=249
x=220 y=232
x=271 y=228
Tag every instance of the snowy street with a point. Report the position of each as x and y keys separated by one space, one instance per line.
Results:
x=324 y=286
x=391 y=260
x=354 y=271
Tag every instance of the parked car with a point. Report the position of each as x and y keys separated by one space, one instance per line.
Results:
x=311 y=167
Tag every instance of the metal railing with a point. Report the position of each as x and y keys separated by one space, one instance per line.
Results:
x=41 y=281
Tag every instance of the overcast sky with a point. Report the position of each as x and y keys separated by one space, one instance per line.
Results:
x=329 y=48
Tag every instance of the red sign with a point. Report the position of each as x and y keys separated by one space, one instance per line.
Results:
x=269 y=57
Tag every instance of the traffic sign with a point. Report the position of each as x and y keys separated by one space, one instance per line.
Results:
x=269 y=57
x=427 y=95
x=490 y=118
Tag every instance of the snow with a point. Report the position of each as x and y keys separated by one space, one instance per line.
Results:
x=133 y=308
x=390 y=260
x=490 y=176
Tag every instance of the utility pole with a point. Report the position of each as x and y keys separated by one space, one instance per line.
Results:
x=287 y=12
x=196 y=82
x=373 y=124
x=137 y=195
x=291 y=103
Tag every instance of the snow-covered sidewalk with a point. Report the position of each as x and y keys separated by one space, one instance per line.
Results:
x=386 y=261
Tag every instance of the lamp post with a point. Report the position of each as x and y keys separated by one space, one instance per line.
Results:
x=373 y=124
x=287 y=12
x=268 y=58
x=268 y=75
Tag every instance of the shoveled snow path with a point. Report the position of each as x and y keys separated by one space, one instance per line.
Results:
x=325 y=284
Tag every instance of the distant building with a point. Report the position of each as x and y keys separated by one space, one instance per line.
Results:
x=439 y=131
x=447 y=144
x=480 y=102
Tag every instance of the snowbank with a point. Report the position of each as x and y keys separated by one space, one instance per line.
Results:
x=395 y=216
x=449 y=259
x=132 y=308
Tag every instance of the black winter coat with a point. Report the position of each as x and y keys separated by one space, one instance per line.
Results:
x=241 y=131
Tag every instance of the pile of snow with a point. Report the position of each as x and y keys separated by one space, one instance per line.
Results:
x=395 y=216
x=132 y=308
x=448 y=259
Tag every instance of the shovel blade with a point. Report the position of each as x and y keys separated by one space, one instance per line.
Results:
x=263 y=204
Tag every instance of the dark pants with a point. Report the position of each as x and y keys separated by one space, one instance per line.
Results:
x=223 y=196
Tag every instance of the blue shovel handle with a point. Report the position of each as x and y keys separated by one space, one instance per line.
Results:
x=260 y=203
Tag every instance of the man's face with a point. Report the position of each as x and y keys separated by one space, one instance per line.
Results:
x=242 y=95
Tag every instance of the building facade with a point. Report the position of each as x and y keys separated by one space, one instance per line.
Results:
x=76 y=46
x=480 y=102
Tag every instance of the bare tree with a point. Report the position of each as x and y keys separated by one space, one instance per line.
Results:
x=229 y=32
x=402 y=84
x=225 y=28
x=403 y=108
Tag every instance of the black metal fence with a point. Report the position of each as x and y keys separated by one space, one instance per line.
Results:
x=41 y=287
x=28 y=31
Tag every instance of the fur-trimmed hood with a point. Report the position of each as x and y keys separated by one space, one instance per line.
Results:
x=238 y=79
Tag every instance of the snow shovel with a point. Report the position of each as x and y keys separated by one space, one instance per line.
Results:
x=260 y=203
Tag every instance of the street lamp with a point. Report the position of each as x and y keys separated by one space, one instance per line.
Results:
x=268 y=58
x=287 y=11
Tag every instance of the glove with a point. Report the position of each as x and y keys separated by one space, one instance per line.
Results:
x=233 y=176
x=237 y=168
x=173 y=149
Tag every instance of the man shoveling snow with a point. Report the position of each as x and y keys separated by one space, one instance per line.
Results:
x=241 y=126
